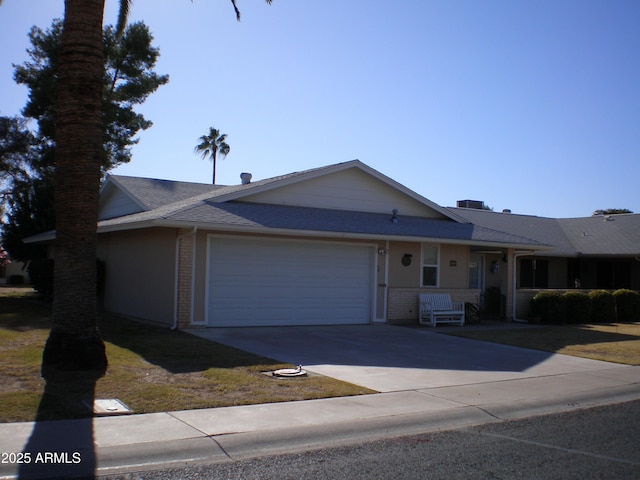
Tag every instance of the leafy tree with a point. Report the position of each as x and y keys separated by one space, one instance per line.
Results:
x=16 y=151
x=212 y=145
x=74 y=342
x=26 y=196
x=31 y=212
x=27 y=160
x=129 y=79
x=612 y=211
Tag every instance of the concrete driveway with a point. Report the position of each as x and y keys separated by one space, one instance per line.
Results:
x=390 y=358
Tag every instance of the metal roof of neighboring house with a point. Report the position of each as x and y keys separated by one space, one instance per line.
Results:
x=604 y=234
x=616 y=235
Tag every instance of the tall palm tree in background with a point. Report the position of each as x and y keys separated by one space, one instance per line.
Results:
x=212 y=145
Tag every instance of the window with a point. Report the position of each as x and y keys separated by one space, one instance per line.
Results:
x=430 y=257
x=534 y=273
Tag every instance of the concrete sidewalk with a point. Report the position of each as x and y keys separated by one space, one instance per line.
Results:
x=110 y=445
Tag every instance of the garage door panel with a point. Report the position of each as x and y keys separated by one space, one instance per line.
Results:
x=269 y=282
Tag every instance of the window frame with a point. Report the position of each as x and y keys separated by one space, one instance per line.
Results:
x=423 y=265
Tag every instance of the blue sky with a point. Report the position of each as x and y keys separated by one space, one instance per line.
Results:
x=532 y=105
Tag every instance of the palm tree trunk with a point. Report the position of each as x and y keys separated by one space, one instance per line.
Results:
x=213 y=158
x=74 y=342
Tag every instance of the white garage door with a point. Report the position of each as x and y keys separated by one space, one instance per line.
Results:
x=263 y=282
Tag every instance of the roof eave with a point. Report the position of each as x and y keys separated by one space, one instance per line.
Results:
x=225 y=228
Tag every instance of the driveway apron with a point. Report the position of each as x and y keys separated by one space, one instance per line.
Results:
x=389 y=358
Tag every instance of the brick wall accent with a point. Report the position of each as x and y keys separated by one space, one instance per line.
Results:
x=185 y=261
x=402 y=303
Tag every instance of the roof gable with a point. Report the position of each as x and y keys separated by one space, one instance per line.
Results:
x=121 y=195
x=344 y=186
x=116 y=201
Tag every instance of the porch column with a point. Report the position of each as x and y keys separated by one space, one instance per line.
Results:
x=511 y=285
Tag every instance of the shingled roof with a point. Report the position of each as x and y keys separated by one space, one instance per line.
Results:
x=244 y=216
x=600 y=235
x=182 y=204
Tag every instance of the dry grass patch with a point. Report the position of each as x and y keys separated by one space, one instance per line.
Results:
x=617 y=342
x=151 y=369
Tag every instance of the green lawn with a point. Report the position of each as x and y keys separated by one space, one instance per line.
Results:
x=151 y=369
x=618 y=342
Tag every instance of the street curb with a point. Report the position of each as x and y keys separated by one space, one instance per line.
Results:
x=220 y=448
x=245 y=445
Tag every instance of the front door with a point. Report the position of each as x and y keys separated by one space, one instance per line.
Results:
x=476 y=271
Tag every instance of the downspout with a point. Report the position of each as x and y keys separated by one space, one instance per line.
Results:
x=515 y=282
x=177 y=274
x=386 y=283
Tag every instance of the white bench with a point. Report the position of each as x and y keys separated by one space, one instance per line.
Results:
x=438 y=308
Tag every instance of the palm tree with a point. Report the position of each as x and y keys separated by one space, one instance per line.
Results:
x=235 y=7
x=74 y=342
x=212 y=145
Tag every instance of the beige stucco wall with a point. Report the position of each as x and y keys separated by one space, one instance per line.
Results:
x=140 y=273
x=141 y=276
x=454 y=266
x=405 y=281
x=399 y=274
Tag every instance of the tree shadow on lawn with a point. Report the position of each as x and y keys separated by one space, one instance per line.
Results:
x=174 y=350
x=24 y=314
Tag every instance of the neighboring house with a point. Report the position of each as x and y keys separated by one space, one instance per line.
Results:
x=342 y=244
x=10 y=272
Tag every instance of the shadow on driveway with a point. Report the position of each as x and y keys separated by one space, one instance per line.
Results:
x=393 y=358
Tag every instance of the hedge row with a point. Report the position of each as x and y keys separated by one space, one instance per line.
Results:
x=597 y=306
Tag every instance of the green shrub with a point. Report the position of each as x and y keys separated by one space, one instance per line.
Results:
x=603 y=306
x=627 y=305
x=551 y=307
x=578 y=307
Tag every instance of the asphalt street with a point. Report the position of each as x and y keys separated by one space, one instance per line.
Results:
x=594 y=443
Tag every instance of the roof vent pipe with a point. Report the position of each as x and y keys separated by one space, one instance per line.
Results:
x=246 y=178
